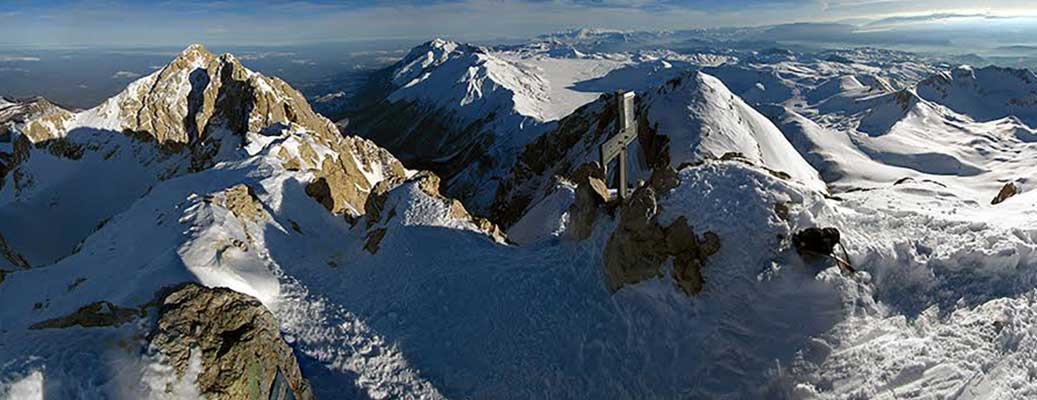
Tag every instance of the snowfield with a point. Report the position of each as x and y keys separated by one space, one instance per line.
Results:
x=410 y=296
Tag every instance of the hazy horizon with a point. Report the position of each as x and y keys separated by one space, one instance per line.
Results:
x=80 y=52
x=119 y=23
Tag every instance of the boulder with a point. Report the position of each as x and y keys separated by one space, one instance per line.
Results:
x=1008 y=190
x=816 y=241
x=242 y=352
x=640 y=245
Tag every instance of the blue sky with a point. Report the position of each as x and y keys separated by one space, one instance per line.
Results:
x=99 y=23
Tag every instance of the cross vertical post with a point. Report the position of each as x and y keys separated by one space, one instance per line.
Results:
x=616 y=146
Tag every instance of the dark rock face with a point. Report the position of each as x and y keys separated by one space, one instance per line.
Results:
x=11 y=255
x=1008 y=190
x=816 y=241
x=101 y=313
x=241 y=348
x=551 y=155
x=640 y=245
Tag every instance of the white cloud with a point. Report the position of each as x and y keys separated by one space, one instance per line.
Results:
x=126 y=75
x=18 y=58
x=266 y=54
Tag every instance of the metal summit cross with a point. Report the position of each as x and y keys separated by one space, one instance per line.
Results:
x=617 y=145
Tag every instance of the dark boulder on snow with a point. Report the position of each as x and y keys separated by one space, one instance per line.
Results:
x=1008 y=190
x=816 y=241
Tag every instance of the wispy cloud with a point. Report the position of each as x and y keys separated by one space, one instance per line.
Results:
x=18 y=59
x=126 y=75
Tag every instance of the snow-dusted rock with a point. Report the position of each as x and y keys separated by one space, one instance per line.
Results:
x=238 y=341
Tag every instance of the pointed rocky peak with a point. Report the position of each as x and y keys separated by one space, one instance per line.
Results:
x=426 y=56
x=701 y=118
x=214 y=109
x=197 y=95
x=194 y=54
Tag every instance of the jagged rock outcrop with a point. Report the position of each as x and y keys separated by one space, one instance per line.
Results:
x=16 y=112
x=242 y=202
x=392 y=199
x=240 y=345
x=201 y=103
x=641 y=244
x=556 y=153
x=196 y=94
x=13 y=117
x=591 y=195
x=1008 y=190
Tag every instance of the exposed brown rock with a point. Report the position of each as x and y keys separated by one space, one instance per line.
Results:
x=101 y=313
x=376 y=199
x=1008 y=190
x=429 y=183
x=241 y=202
x=664 y=179
x=201 y=102
x=781 y=209
x=320 y=191
x=490 y=229
x=9 y=162
x=342 y=187
x=239 y=340
x=591 y=194
x=640 y=245
x=369 y=153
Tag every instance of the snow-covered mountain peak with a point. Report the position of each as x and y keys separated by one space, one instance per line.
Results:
x=456 y=77
x=887 y=110
x=702 y=118
x=423 y=57
x=194 y=53
x=191 y=99
x=986 y=93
